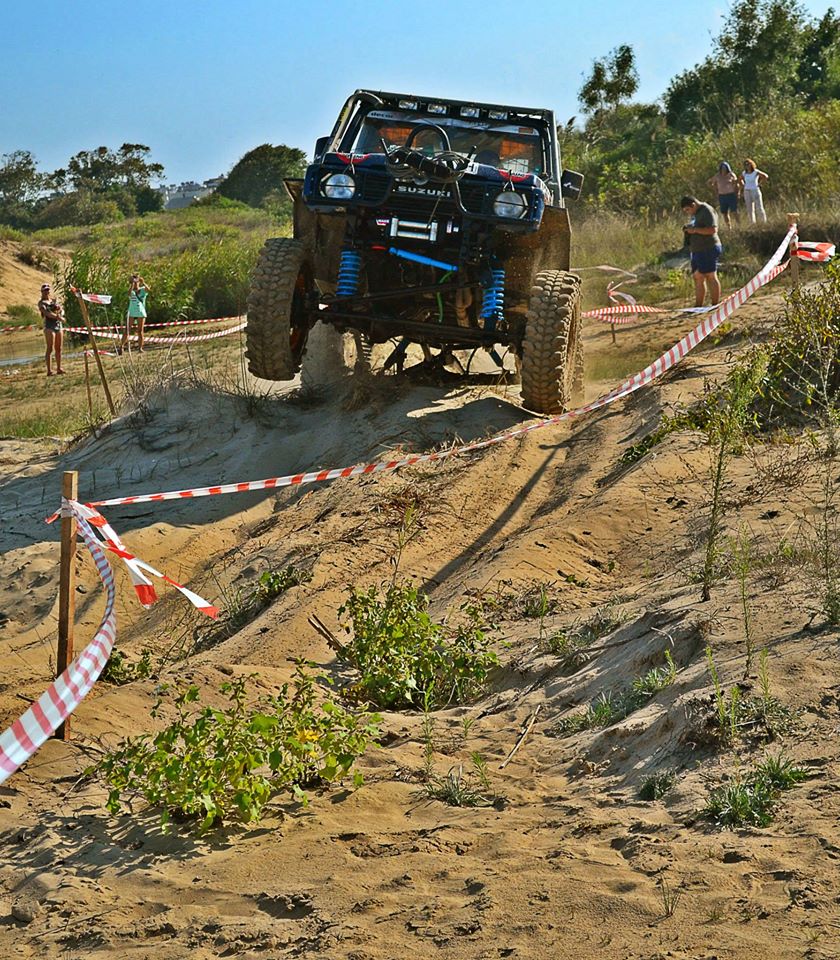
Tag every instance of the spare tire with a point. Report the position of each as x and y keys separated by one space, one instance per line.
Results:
x=552 y=356
x=278 y=312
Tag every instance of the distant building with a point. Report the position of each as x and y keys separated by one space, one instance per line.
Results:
x=182 y=195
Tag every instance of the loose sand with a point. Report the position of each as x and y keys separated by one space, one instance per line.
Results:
x=571 y=864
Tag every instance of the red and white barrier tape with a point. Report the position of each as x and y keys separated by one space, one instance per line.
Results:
x=109 y=334
x=27 y=326
x=51 y=709
x=103 y=298
x=155 y=326
x=111 y=541
x=618 y=313
x=659 y=366
x=24 y=737
x=815 y=252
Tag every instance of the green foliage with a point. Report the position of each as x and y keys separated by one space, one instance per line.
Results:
x=736 y=716
x=244 y=602
x=656 y=785
x=119 y=670
x=611 y=707
x=23 y=314
x=751 y=799
x=20 y=184
x=613 y=79
x=571 y=645
x=405 y=659
x=208 y=281
x=259 y=174
x=755 y=58
x=460 y=788
x=272 y=583
x=211 y=764
x=80 y=208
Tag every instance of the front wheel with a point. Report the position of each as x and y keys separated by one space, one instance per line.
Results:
x=552 y=356
x=278 y=320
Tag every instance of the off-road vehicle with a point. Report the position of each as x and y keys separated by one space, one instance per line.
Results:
x=430 y=221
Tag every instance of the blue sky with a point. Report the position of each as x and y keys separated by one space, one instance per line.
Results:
x=202 y=82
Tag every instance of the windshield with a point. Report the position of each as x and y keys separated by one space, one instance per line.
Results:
x=505 y=146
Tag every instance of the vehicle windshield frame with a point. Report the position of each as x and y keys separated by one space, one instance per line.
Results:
x=358 y=107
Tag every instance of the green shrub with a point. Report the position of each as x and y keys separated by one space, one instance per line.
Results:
x=751 y=799
x=23 y=314
x=119 y=670
x=405 y=659
x=657 y=785
x=210 y=764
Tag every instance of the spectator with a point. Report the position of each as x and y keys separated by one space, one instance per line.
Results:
x=705 y=247
x=136 y=310
x=52 y=315
x=727 y=187
x=751 y=180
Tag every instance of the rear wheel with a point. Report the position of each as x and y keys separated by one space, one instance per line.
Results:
x=278 y=319
x=552 y=357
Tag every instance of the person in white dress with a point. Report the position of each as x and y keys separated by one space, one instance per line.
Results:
x=751 y=180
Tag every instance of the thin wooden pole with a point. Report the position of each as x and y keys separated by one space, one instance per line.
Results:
x=793 y=220
x=612 y=325
x=66 y=588
x=87 y=385
x=102 y=377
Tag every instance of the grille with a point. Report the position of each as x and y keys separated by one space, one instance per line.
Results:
x=373 y=189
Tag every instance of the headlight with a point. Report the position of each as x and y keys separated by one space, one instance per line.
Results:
x=339 y=186
x=511 y=205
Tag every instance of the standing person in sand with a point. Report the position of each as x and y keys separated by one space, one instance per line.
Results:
x=52 y=315
x=751 y=180
x=726 y=184
x=705 y=247
x=136 y=310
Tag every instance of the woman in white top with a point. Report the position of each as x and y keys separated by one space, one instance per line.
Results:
x=751 y=180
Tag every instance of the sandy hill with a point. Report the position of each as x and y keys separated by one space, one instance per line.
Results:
x=20 y=282
x=571 y=863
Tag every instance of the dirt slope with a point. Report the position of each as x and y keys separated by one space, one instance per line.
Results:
x=19 y=282
x=571 y=863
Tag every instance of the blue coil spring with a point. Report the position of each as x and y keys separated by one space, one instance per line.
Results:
x=493 y=304
x=348 y=273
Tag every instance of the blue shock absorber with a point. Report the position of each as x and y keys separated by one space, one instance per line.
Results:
x=493 y=304
x=348 y=273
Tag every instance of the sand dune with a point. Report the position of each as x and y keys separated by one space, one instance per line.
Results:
x=571 y=863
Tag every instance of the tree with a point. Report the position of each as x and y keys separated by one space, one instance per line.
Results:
x=261 y=171
x=754 y=63
x=20 y=184
x=613 y=80
x=819 y=66
x=103 y=170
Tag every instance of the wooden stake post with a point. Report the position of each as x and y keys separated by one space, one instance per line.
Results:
x=87 y=386
x=84 y=309
x=67 y=588
x=793 y=220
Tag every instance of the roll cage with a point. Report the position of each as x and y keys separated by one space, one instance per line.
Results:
x=360 y=103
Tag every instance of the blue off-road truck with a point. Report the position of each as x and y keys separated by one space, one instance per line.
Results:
x=430 y=221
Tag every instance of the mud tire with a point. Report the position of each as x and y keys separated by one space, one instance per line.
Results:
x=552 y=355
x=277 y=327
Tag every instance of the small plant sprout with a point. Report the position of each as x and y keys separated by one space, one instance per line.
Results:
x=464 y=788
x=742 y=563
x=670 y=896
